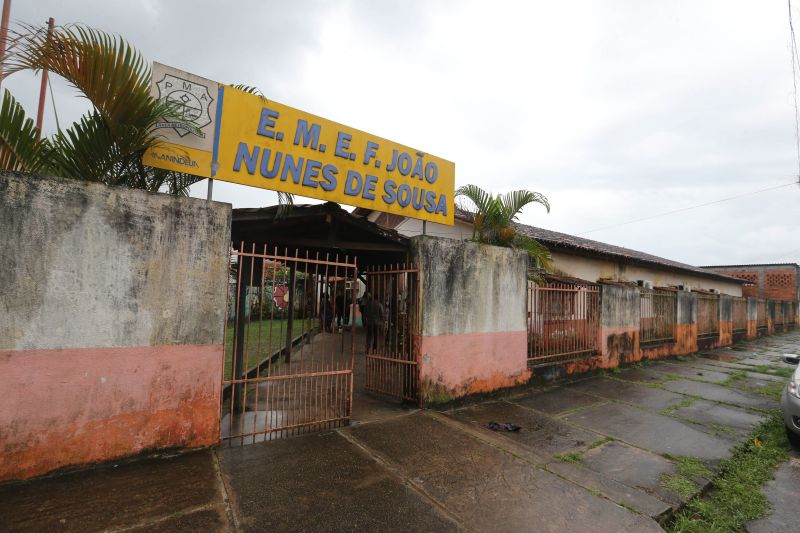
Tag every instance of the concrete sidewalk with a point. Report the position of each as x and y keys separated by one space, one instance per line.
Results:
x=605 y=453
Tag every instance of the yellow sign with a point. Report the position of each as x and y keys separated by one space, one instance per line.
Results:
x=262 y=143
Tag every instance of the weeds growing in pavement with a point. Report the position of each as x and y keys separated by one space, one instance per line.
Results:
x=735 y=498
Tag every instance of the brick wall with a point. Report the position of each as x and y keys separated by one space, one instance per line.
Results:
x=780 y=284
x=748 y=291
x=772 y=282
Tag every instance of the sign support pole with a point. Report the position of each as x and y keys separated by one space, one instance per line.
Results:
x=43 y=91
x=210 y=189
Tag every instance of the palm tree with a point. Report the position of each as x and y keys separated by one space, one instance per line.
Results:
x=494 y=219
x=106 y=145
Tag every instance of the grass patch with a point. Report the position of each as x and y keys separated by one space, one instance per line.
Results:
x=735 y=498
x=683 y=487
x=272 y=335
x=684 y=482
x=735 y=376
x=773 y=390
x=719 y=429
x=571 y=457
x=774 y=371
x=686 y=402
x=600 y=442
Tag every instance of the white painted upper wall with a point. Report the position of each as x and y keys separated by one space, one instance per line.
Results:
x=593 y=269
x=578 y=266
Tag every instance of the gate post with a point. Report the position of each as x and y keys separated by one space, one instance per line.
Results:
x=290 y=320
x=238 y=340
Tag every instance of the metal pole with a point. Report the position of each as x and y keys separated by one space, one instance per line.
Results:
x=4 y=30
x=424 y=226
x=290 y=318
x=210 y=189
x=43 y=90
x=239 y=372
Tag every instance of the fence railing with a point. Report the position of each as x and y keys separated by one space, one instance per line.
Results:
x=707 y=315
x=761 y=314
x=739 y=314
x=563 y=319
x=657 y=318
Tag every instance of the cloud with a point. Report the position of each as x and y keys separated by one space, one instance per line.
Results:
x=614 y=111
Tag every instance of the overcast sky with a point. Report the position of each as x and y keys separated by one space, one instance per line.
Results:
x=615 y=110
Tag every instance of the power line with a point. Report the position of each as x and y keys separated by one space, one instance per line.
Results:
x=682 y=209
x=794 y=85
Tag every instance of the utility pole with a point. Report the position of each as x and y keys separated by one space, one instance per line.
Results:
x=43 y=90
x=4 y=30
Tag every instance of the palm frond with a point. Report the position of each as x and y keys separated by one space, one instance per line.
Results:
x=107 y=143
x=539 y=254
x=87 y=150
x=20 y=147
x=513 y=202
x=109 y=72
x=249 y=89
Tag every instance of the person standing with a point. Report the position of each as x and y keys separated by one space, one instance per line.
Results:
x=373 y=318
x=327 y=314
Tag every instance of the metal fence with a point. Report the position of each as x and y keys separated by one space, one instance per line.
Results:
x=657 y=319
x=707 y=315
x=563 y=321
x=761 y=316
x=739 y=314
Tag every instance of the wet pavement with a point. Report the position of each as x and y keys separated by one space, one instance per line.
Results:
x=596 y=454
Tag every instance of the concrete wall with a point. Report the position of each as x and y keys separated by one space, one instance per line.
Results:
x=473 y=336
x=594 y=269
x=112 y=306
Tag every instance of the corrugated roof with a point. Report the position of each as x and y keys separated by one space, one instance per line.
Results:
x=555 y=239
x=753 y=265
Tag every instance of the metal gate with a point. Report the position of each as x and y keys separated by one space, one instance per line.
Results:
x=288 y=366
x=563 y=320
x=391 y=349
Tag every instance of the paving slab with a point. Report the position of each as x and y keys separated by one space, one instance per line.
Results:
x=634 y=467
x=781 y=493
x=654 y=432
x=538 y=431
x=322 y=482
x=750 y=384
x=205 y=520
x=708 y=413
x=130 y=494
x=688 y=371
x=487 y=488
x=719 y=393
x=633 y=393
x=647 y=374
x=721 y=365
x=558 y=400
x=615 y=491
x=748 y=371
x=775 y=362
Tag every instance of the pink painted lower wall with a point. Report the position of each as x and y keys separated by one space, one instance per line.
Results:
x=453 y=366
x=77 y=406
